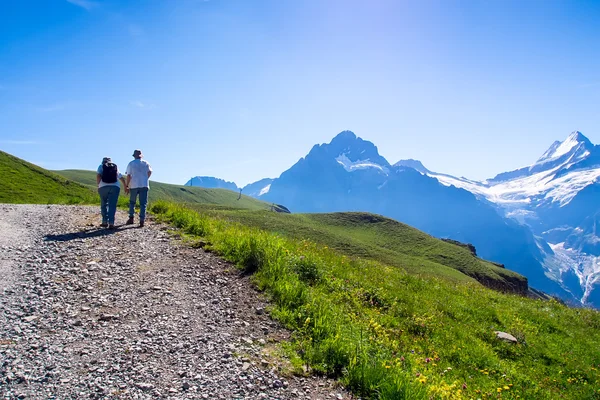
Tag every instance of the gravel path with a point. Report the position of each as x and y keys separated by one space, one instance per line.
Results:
x=87 y=313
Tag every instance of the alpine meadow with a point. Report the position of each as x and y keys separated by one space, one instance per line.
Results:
x=387 y=310
x=300 y=200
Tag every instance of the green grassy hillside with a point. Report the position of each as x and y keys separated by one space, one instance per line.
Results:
x=355 y=234
x=23 y=182
x=381 y=239
x=390 y=311
x=389 y=334
x=179 y=194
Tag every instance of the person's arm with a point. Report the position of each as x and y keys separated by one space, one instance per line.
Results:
x=125 y=186
x=99 y=175
x=128 y=173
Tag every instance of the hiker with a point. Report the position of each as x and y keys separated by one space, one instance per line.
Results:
x=138 y=174
x=107 y=178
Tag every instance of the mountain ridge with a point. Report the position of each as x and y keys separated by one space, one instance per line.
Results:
x=556 y=197
x=370 y=183
x=320 y=182
x=532 y=219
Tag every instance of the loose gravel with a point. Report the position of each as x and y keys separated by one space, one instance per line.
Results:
x=90 y=313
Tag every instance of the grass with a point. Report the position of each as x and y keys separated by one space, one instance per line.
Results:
x=224 y=199
x=26 y=183
x=390 y=334
x=389 y=311
x=22 y=182
x=380 y=239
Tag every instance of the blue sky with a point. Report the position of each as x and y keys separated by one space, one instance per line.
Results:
x=241 y=89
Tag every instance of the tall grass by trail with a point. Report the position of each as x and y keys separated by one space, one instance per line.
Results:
x=390 y=335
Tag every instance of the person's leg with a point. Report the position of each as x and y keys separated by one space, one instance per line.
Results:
x=132 y=198
x=103 y=192
x=143 y=203
x=113 y=198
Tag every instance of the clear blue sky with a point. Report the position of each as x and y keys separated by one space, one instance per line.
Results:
x=241 y=89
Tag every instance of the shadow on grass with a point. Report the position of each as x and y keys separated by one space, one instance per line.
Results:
x=87 y=233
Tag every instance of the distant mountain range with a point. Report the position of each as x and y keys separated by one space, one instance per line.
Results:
x=255 y=189
x=209 y=182
x=539 y=220
x=558 y=199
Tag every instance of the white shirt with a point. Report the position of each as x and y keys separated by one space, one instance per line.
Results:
x=138 y=170
x=102 y=183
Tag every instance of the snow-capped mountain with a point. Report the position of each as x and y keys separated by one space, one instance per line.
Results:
x=540 y=220
x=349 y=174
x=554 y=179
x=557 y=197
x=255 y=189
x=258 y=188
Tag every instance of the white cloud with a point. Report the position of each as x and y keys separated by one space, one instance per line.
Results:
x=141 y=105
x=87 y=4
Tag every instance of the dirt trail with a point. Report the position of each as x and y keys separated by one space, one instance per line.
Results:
x=91 y=313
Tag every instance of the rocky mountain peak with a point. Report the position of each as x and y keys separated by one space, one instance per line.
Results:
x=575 y=142
x=353 y=148
x=344 y=136
x=579 y=137
x=414 y=164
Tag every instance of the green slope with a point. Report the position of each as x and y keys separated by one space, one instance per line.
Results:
x=355 y=234
x=381 y=239
x=23 y=182
x=391 y=335
x=179 y=194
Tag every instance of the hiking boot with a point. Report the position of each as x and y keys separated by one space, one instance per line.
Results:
x=104 y=224
x=111 y=226
x=129 y=221
x=141 y=223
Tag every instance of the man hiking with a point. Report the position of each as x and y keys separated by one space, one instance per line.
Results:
x=138 y=176
x=107 y=178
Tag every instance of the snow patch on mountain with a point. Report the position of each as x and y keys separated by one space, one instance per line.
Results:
x=352 y=166
x=414 y=164
x=522 y=216
x=265 y=190
x=556 y=177
x=565 y=188
x=559 y=149
x=550 y=152
x=586 y=267
x=479 y=189
x=540 y=187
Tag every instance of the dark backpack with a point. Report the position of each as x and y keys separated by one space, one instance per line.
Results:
x=109 y=173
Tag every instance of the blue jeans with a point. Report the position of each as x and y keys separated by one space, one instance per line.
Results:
x=143 y=193
x=109 y=195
